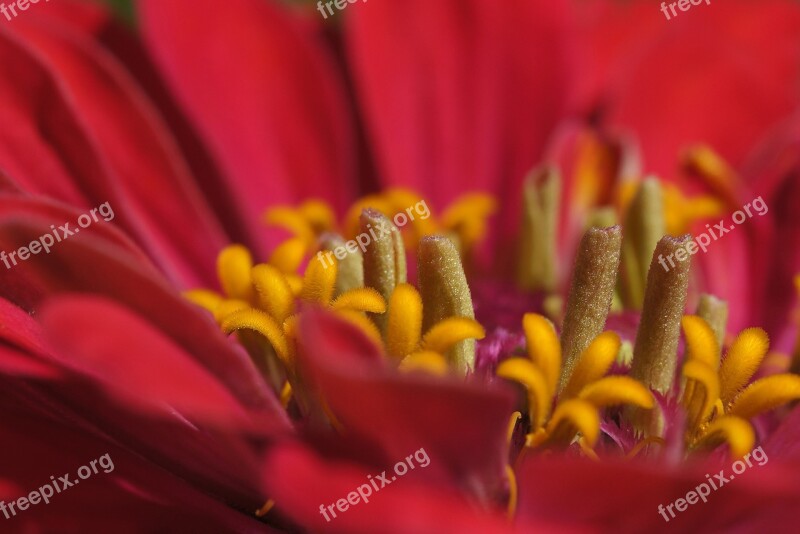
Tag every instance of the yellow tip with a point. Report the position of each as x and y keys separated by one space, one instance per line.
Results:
x=742 y=360
x=544 y=348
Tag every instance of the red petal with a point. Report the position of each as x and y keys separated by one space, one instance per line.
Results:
x=461 y=426
x=265 y=97
x=624 y=496
x=687 y=80
x=96 y=261
x=135 y=361
x=137 y=159
x=301 y=482
x=460 y=95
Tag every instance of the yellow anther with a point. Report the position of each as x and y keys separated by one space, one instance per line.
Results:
x=615 y=390
x=639 y=447
x=206 y=299
x=525 y=372
x=468 y=217
x=288 y=256
x=736 y=432
x=593 y=364
x=264 y=510
x=571 y=418
x=363 y=299
x=512 y=492
x=544 y=348
x=293 y=221
x=319 y=281
x=702 y=391
x=286 y=394
x=274 y=293
x=742 y=361
x=701 y=341
x=229 y=306
x=426 y=361
x=512 y=425
x=261 y=322
x=318 y=214
x=233 y=268
x=766 y=394
x=444 y=335
x=405 y=321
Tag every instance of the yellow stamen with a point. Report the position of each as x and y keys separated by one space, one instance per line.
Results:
x=639 y=447
x=742 y=361
x=593 y=363
x=447 y=333
x=571 y=418
x=261 y=322
x=286 y=394
x=703 y=383
x=274 y=293
x=765 y=394
x=525 y=372
x=544 y=348
x=206 y=299
x=363 y=299
x=288 y=256
x=512 y=425
x=512 y=492
x=233 y=268
x=291 y=220
x=405 y=321
x=318 y=214
x=319 y=282
x=467 y=218
x=701 y=341
x=264 y=510
x=229 y=306
x=736 y=432
x=614 y=390
x=587 y=450
x=427 y=361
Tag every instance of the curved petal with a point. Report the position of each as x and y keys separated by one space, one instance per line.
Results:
x=265 y=97
x=460 y=94
x=720 y=55
x=139 y=160
x=101 y=261
x=461 y=426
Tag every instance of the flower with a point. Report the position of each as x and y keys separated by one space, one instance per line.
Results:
x=241 y=395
